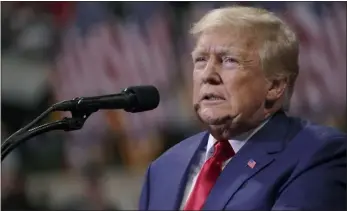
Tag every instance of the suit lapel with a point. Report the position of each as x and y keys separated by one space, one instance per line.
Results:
x=235 y=174
x=257 y=154
x=179 y=170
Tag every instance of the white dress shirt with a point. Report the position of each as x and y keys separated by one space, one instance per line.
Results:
x=206 y=153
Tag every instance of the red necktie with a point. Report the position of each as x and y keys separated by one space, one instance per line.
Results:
x=208 y=175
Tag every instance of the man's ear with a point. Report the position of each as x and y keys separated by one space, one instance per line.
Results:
x=276 y=88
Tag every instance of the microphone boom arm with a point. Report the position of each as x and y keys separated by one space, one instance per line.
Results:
x=19 y=139
x=75 y=122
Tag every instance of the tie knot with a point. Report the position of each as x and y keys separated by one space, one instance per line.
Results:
x=223 y=150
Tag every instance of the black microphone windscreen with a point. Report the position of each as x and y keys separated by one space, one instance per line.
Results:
x=147 y=98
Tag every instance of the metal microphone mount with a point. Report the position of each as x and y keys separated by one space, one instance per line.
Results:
x=75 y=122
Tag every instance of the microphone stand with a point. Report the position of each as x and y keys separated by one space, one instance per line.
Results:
x=76 y=122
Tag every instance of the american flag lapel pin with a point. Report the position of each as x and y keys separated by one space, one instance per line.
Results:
x=251 y=163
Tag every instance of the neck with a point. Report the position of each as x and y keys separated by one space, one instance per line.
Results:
x=238 y=129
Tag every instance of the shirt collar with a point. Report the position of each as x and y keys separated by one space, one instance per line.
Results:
x=236 y=143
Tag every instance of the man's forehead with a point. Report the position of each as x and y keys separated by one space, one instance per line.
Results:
x=218 y=49
x=225 y=41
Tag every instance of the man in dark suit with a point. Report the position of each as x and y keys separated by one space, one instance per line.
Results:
x=253 y=156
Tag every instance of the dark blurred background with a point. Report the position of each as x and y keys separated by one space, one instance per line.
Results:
x=54 y=51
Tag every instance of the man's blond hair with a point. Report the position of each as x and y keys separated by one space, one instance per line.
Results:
x=277 y=44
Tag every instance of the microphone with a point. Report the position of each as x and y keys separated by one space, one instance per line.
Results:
x=132 y=99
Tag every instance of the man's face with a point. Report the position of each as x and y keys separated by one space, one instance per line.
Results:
x=229 y=84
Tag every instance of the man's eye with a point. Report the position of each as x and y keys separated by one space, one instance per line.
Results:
x=200 y=59
x=229 y=60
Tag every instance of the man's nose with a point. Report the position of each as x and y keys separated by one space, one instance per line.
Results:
x=211 y=73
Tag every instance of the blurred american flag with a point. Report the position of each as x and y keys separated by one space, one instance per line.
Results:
x=101 y=55
x=321 y=86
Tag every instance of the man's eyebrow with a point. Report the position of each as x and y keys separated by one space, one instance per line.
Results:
x=220 y=51
x=199 y=51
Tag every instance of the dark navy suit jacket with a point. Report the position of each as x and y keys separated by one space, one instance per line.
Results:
x=299 y=166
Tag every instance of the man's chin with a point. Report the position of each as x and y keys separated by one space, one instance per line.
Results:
x=223 y=127
x=215 y=121
x=212 y=116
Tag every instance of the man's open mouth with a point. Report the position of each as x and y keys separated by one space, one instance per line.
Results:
x=212 y=97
